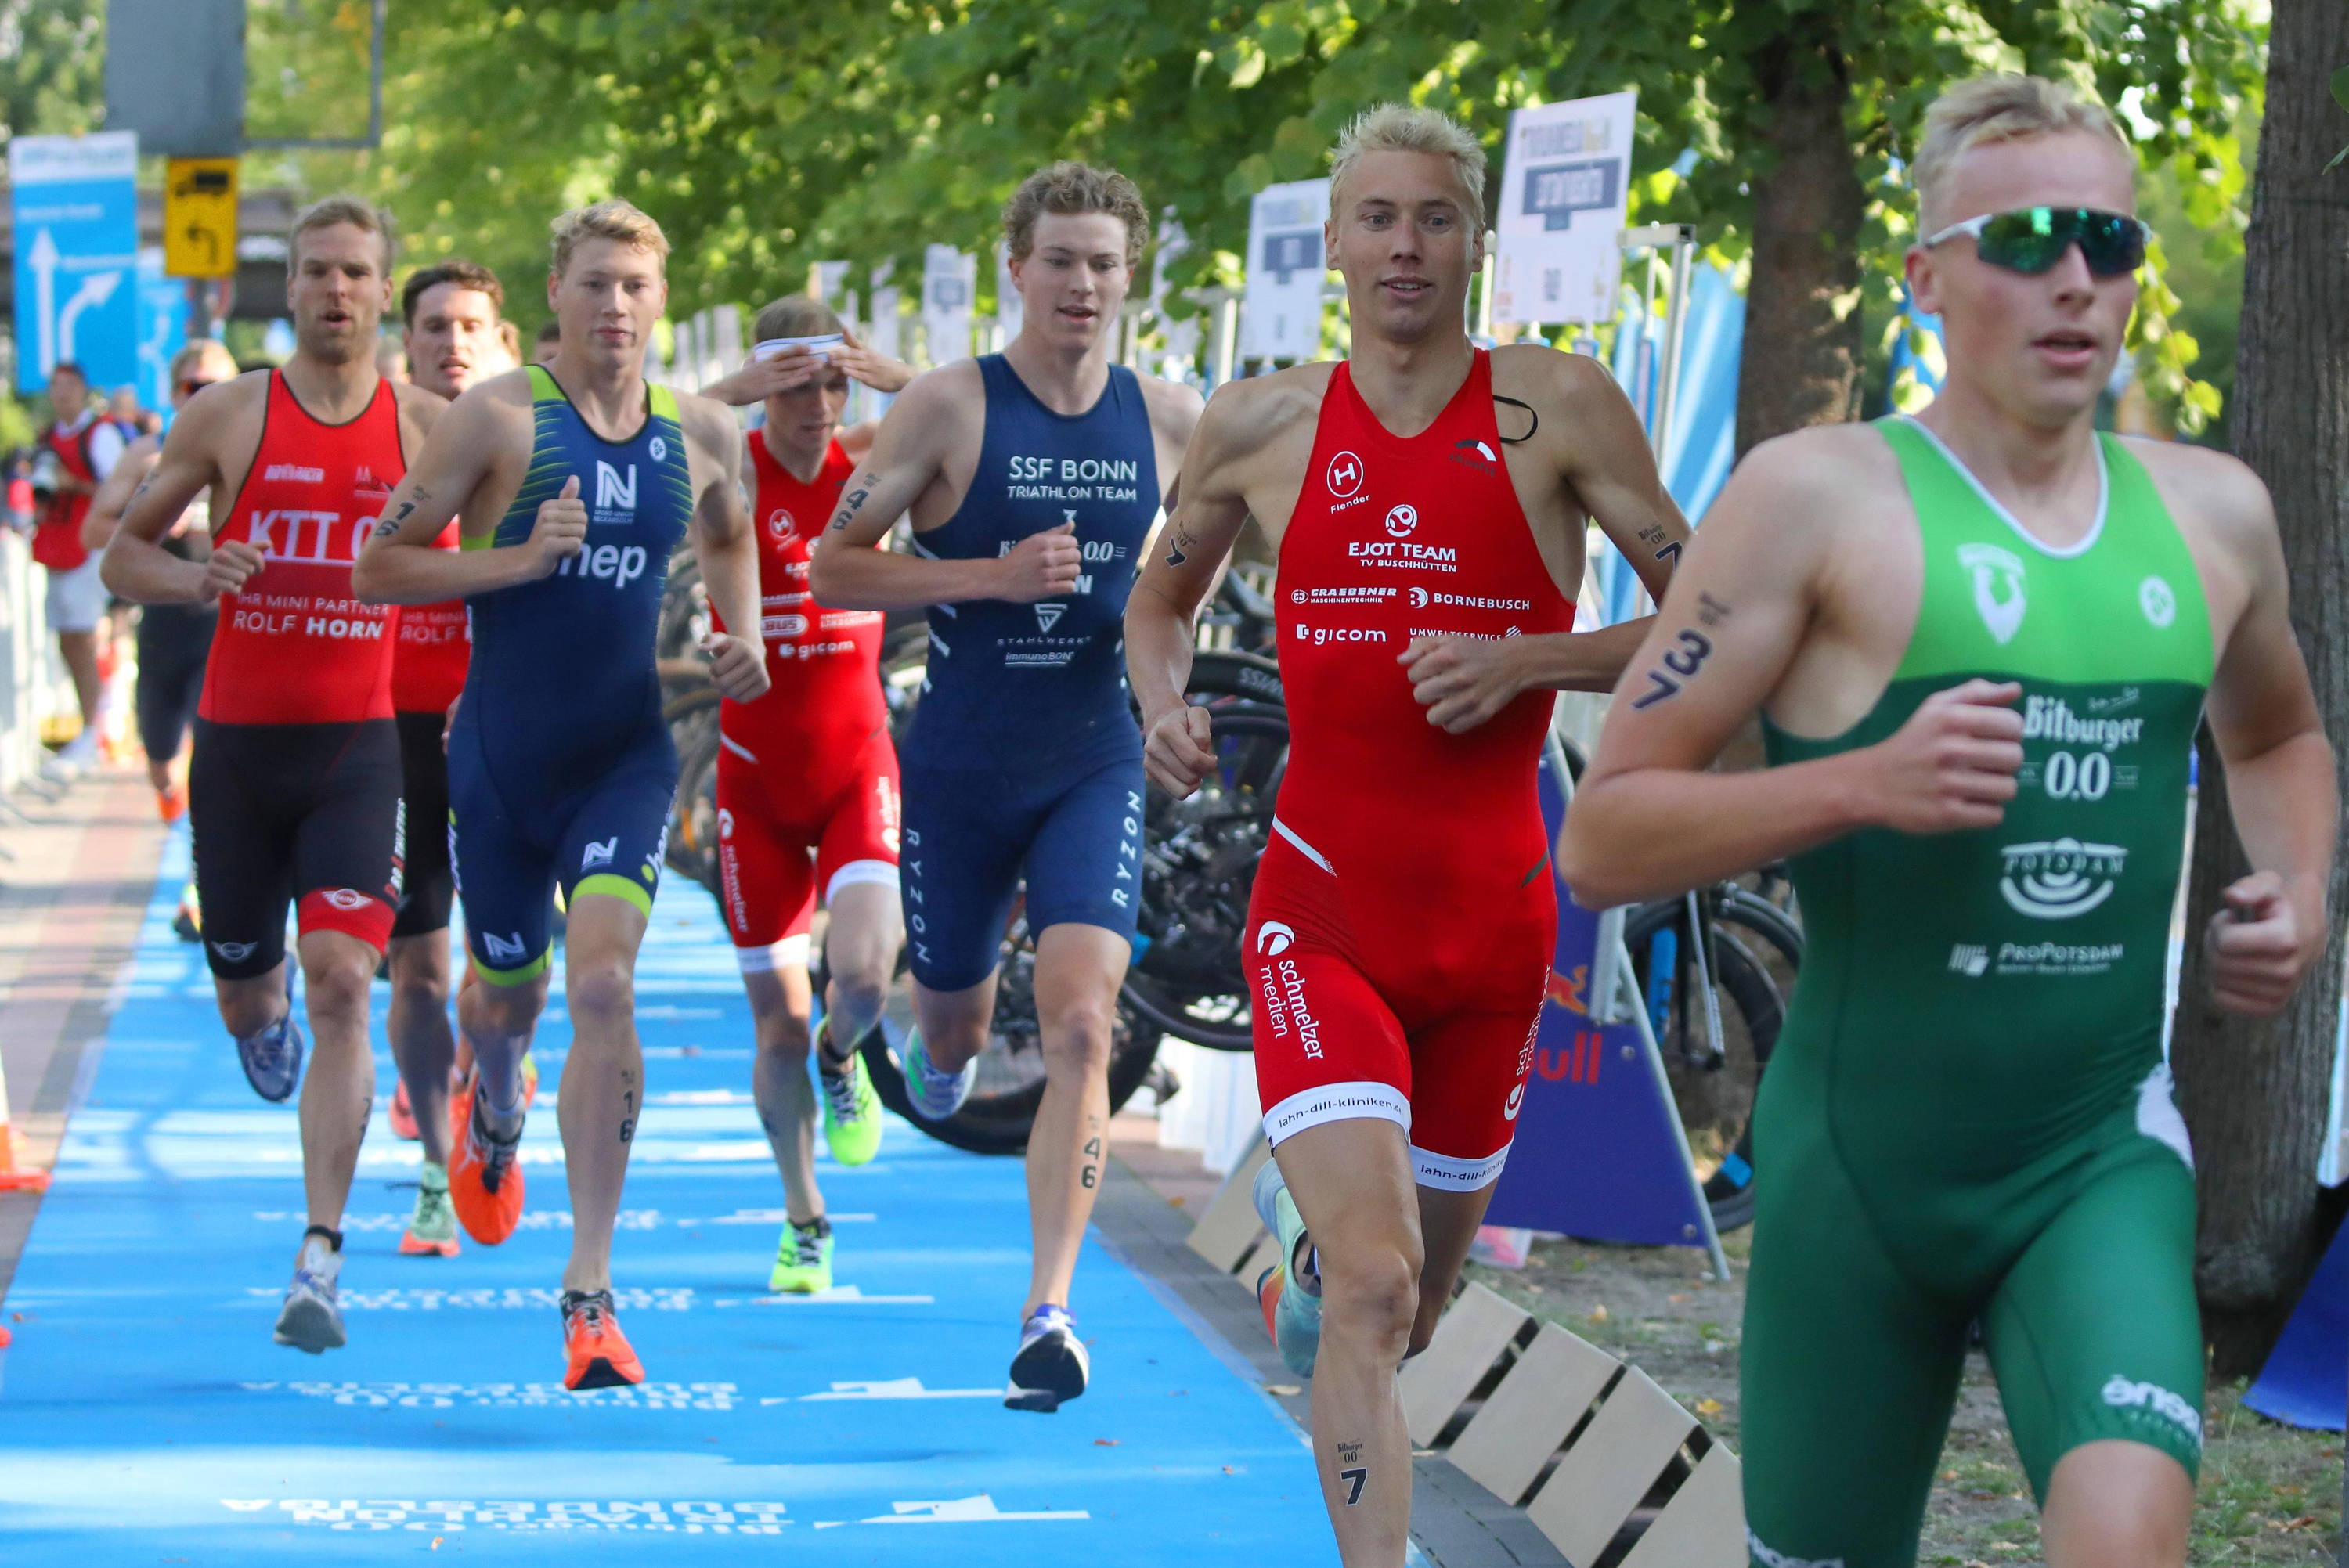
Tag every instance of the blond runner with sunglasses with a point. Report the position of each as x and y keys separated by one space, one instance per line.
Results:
x=1981 y=641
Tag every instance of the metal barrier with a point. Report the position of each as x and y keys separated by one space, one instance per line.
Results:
x=29 y=668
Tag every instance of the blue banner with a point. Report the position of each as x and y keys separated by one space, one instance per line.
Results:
x=1597 y=1151
x=77 y=243
x=162 y=329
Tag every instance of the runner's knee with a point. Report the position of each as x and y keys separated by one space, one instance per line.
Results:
x=602 y=989
x=1076 y=1033
x=1371 y=1295
x=783 y=1036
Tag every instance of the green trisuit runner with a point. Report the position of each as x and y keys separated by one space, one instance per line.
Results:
x=1968 y=1116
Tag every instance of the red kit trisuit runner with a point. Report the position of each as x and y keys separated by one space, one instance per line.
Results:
x=294 y=781
x=1399 y=934
x=807 y=778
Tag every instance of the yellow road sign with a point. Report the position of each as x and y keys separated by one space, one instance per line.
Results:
x=199 y=218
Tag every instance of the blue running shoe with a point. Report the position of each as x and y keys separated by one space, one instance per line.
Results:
x=935 y=1095
x=1051 y=1366
x=271 y=1059
x=1292 y=1312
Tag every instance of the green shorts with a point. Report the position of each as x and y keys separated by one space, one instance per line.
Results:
x=1868 y=1274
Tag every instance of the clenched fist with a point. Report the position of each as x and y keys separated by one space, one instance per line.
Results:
x=1041 y=565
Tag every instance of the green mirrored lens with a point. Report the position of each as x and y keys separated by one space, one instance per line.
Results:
x=2034 y=239
x=2029 y=240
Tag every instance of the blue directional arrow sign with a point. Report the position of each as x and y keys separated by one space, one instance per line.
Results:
x=163 y=329
x=77 y=241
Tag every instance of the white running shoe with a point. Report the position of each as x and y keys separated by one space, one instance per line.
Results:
x=311 y=1318
x=935 y=1095
x=1051 y=1367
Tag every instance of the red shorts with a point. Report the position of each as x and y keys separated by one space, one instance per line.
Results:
x=1373 y=1001
x=776 y=848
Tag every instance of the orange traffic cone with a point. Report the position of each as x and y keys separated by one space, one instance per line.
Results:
x=15 y=1176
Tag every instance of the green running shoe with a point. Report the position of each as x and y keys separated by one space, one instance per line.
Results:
x=852 y=1110
x=432 y=1231
x=1291 y=1313
x=803 y=1259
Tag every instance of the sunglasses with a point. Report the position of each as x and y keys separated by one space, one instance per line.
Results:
x=2034 y=239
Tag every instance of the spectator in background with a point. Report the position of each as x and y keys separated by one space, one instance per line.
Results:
x=550 y=339
x=72 y=459
x=511 y=336
x=390 y=359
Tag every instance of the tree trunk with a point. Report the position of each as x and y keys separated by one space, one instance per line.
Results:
x=1801 y=364
x=2254 y=1093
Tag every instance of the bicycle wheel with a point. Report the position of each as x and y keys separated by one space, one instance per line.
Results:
x=685 y=609
x=1199 y=860
x=1009 y=1088
x=1756 y=950
x=692 y=846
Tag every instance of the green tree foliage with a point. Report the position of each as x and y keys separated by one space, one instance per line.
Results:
x=765 y=140
x=51 y=52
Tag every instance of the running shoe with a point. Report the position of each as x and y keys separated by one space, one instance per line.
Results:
x=935 y=1095
x=485 y=1181
x=271 y=1059
x=1292 y=1313
x=188 y=920
x=803 y=1259
x=1051 y=1366
x=432 y=1231
x=529 y=1078
x=403 y=1114
x=851 y=1110
x=597 y=1354
x=311 y=1318
x=171 y=802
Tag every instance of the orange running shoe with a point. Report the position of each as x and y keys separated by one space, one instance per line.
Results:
x=485 y=1178
x=403 y=1115
x=597 y=1354
x=172 y=803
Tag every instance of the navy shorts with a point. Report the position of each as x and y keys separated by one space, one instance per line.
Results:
x=509 y=848
x=969 y=835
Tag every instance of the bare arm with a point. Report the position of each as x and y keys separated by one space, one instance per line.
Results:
x=400 y=563
x=136 y=565
x=1604 y=459
x=98 y=525
x=2281 y=787
x=727 y=550
x=1649 y=821
x=1205 y=516
x=908 y=451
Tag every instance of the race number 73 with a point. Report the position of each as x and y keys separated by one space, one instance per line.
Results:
x=1680 y=662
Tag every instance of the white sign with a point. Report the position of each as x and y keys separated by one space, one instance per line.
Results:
x=824 y=280
x=949 y=283
x=1182 y=338
x=1565 y=188
x=883 y=335
x=1010 y=310
x=1282 y=319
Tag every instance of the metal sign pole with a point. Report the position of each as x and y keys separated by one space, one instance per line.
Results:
x=1615 y=996
x=1681 y=240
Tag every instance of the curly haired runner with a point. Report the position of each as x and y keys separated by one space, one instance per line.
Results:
x=1033 y=477
x=1981 y=641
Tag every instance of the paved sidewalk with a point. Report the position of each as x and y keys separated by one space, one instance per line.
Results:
x=77 y=866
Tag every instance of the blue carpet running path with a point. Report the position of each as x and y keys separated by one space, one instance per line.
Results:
x=146 y=1417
